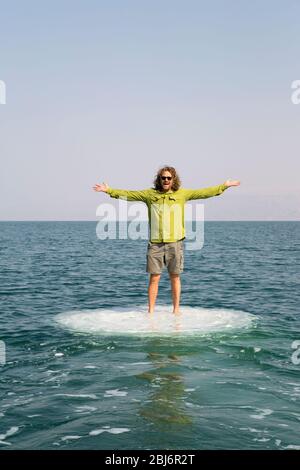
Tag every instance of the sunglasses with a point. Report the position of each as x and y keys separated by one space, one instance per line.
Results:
x=166 y=178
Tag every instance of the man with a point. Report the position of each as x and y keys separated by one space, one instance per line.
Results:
x=165 y=204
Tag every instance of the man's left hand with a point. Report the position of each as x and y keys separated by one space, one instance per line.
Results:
x=229 y=183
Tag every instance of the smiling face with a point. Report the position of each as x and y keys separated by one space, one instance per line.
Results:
x=166 y=180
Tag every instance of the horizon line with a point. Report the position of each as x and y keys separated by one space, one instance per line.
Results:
x=96 y=220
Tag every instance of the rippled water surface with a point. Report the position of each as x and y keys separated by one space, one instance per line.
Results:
x=88 y=368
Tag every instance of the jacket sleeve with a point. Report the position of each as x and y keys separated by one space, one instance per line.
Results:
x=128 y=195
x=204 y=193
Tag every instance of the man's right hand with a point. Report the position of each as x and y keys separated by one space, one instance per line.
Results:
x=101 y=188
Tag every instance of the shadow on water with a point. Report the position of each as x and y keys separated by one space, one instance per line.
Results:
x=165 y=404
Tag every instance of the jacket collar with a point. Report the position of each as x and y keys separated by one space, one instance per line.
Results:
x=170 y=194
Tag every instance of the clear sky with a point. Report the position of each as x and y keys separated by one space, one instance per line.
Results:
x=111 y=90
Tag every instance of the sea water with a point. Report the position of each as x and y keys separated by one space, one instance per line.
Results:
x=86 y=367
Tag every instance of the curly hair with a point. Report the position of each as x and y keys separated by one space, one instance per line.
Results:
x=176 y=180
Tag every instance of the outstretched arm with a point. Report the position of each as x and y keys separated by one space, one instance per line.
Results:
x=122 y=193
x=191 y=194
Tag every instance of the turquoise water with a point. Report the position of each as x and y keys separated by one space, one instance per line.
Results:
x=86 y=368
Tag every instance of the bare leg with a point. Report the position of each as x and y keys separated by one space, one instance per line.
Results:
x=176 y=289
x=152 y=291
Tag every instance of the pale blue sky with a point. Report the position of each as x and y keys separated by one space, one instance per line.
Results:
x=111 y=90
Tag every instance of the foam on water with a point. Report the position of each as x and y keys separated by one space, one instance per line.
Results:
x=191 y=320
x=96 y=432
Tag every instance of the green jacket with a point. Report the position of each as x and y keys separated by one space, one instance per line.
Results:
x=166 y=209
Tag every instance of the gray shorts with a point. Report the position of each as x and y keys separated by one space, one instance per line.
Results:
x=165 y=254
